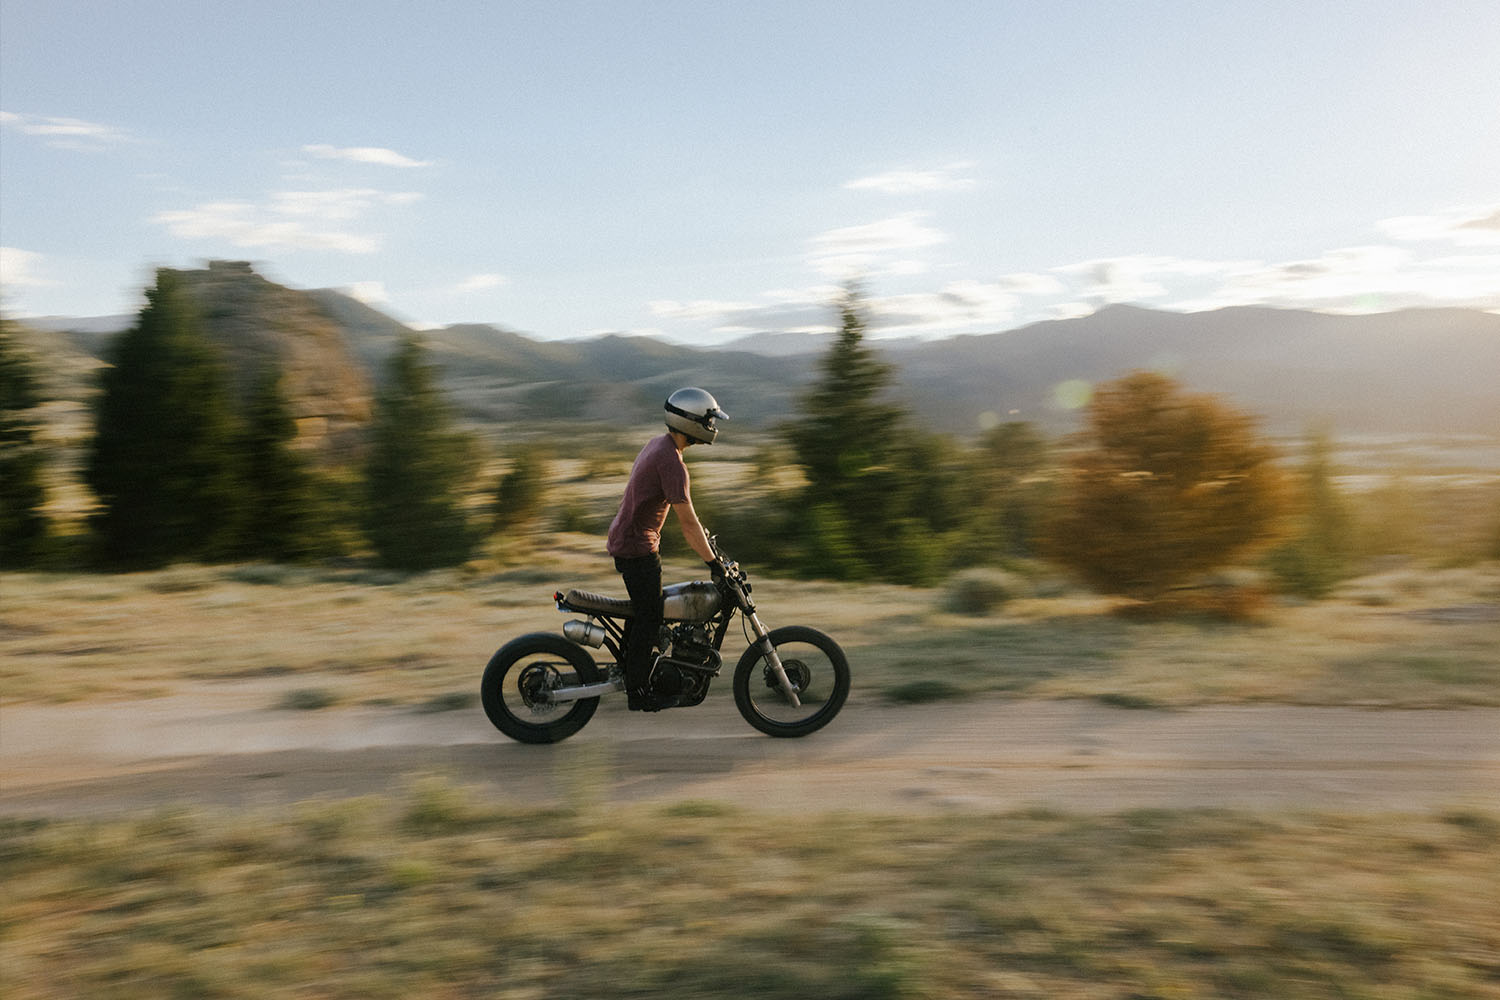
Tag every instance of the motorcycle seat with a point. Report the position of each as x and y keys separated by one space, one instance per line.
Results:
x=583 y=600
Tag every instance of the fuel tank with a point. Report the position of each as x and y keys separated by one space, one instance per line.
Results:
x=690 y=602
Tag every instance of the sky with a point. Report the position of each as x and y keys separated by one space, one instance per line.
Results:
x=704 y=170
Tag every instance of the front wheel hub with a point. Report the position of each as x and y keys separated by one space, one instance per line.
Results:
x=797 y=674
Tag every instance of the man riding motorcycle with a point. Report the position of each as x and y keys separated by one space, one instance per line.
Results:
x=658 y=483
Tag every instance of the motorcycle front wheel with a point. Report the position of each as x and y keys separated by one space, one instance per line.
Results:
x=819 y=673
x=517 y=679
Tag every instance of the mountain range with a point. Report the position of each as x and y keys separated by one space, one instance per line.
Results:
x=1413 y=371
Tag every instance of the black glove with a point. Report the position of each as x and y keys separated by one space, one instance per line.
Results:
x=716 y=569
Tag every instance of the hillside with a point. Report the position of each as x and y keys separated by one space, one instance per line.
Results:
x=1415 y=371
x=1430 y=370
x=257 y=323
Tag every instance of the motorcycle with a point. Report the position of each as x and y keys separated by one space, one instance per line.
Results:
x=543 y=688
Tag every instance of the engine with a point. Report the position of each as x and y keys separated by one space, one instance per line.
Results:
x=680 y=677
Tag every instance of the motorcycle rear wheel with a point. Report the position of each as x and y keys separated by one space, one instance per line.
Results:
x=817 y=668
x=513 y=690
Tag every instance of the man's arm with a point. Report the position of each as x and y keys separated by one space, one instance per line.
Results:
x=692 y=530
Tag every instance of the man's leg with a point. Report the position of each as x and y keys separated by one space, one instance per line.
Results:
x=643 y=582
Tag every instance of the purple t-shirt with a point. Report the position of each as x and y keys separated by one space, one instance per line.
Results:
x=658 y=479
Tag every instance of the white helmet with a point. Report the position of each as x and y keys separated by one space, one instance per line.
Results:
x=692 y=412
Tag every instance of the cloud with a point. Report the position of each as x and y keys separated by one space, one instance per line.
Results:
x=915 y=181
x=365 y=154
x=1031 y=284
x=1140 y=277
x=805 y=310
x=1118 y=280
x=958 y=306
x=339 y=204
x=1366 y=278
x=371 y=293
x=1472 y=226
x=247 y=225
x=66 y=133
x=701 y=309
x=290 y=220
x=1372 y=278
x=870 y=250
x=480 y=283
x=19 y=269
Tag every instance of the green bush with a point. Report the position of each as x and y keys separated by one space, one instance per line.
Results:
x=980 y=590
x=922 y=691
x=307 y=700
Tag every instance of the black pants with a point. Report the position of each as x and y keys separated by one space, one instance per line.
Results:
x=642 y=576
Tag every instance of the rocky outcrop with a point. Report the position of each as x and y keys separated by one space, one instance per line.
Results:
x=258 y=324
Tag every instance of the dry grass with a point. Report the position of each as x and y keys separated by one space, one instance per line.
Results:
x=1414 y=638
x=436 y=896
x=1348 y=650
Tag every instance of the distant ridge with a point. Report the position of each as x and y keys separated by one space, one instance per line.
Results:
x=1413 y=371
x=1409 y=371
x=801 y=344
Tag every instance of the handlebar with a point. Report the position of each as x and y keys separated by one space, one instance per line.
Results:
x=734 y=576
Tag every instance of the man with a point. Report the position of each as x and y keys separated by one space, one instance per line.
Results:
x=658 y=483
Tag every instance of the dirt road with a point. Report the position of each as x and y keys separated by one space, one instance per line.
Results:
x=221 y=746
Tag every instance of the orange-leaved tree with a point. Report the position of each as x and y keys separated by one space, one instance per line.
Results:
x=1163 y=486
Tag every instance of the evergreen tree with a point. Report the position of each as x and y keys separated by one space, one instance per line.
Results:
x=1319 y=553
x=284 y=515
x=162 y=464
x=23 y=525
x=1165 y=486
x=874 y=488
x=846 y=424
x=418 y=470
x=521 y=491
x=1010 y=496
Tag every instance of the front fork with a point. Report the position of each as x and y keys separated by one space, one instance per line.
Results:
x=763 y=640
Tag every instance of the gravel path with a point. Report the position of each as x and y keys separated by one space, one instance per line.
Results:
x=221 y=746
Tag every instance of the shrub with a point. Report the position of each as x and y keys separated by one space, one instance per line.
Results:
x=572 y=515
x=521 y=492
x=307 y=700
x=450 y=701
x=1318 y=555
x=979 y=591
x=919 y=692
x=1165 y=486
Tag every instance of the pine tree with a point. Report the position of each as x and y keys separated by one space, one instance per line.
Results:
x=856 y=455
x=418 y=470
x=846 y=425
x=519 y=495
x=1319 y=554
x=283 y=519
x=23 y=525
x=162 y=464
